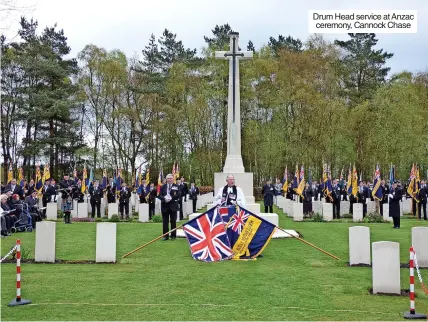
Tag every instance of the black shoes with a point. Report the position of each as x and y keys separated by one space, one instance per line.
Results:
x=166 y=238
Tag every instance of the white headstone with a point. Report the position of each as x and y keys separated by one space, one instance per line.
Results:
x=102 y=209
x=317 y=207
x=45 y=241
x=88 y=202
x=113 y=209
x=327 y=211
x=401 y=207
x=59 y=201
x=74 y=210
x=407 y=206
x=106 y=242
x=178 y=216
x=253 y=207
x=82 y=210
x=188 y=208
x=371 y=207
x=420 y=245
x=137 y=203
x=51 y=211
x=270 y=217
x=344 y=207
x=194 y=215
x=289 y=207
x=132 y=199
x=198 y=204
x=357 y=212
x=143 y=212
x=386 y=213
x=297 y=211
x=359 y=245
x=386 y=267
x=158 y=207
x=281 y=202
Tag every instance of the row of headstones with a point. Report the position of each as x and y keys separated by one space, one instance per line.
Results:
x=294 y=209
x=385 y=256
x=82 y=210
x=105 y=236
x=46 y=242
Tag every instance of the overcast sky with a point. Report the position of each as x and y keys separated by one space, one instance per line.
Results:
x=127 y=24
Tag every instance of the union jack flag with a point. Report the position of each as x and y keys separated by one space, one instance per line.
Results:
x=238 y=221
x=226 y=213
x=207 y=237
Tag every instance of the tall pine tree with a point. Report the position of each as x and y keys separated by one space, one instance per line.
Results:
x=362 y=67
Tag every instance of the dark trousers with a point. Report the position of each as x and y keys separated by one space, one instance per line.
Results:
x=270 y=209
x=180 y=202
x=422 y=206
x=10 y=221
x=169 y=216
x=44 y=202
x=122 y=207
x=414 y=207
x=151 y=210
x=364 y=208
x=336 y=209
x=381 y=207
x=98 y=206
x=142 y=199
x=351 y=207
x=396 y=221
x=194 y=205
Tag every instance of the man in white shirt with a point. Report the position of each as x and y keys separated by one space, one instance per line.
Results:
x=230 y=194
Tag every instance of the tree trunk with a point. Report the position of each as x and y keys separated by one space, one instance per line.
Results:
x=51 y=144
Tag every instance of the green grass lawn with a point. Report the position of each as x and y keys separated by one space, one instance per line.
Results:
x=162 y=282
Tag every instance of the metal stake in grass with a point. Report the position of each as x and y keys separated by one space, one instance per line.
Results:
x=150 y=242
x=18 y=300
x=298 y=238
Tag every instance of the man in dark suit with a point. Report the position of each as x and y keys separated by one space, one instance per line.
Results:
x=16 y=189
x=47 y=192
x=307 y=199
x=96 y=193
x=142 y=191
x=169 y=196
x=193 y=195
x=66 y=188
x=55 y=189
x=32 y=203
x=394 y=197
x=290 y=192
x=363 y=194
x=152 y=193
x=268 y=192
x=184 y=190
x=423 y=196
x=385 y=193
x=30 y=188
x=336 y=194
x=124 y=196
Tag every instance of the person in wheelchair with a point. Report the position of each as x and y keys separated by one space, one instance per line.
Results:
x=25 y=221
x=32 y=203
x=8 y=213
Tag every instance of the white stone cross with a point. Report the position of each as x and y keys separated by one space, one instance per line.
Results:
x=234 y=162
